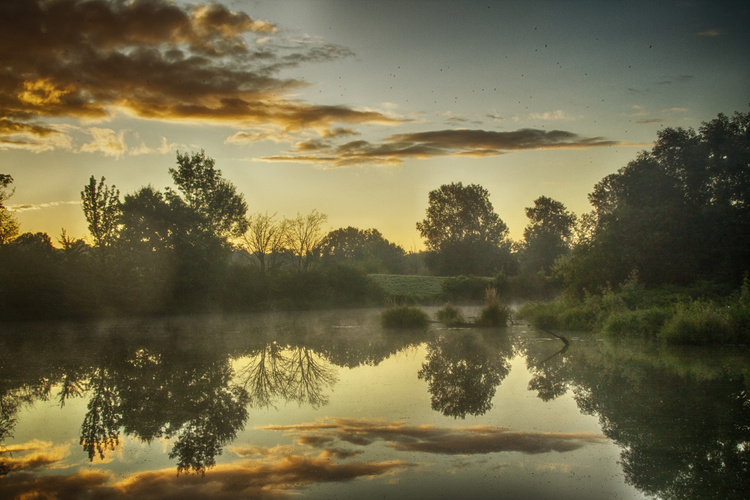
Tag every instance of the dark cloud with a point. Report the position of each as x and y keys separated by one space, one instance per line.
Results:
x=460 y=142
x=152 y=59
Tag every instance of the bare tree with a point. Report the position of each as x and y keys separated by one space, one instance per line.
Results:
x=265 y=239
x=303 y=236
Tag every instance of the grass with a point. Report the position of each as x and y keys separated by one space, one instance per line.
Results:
x=410 y=287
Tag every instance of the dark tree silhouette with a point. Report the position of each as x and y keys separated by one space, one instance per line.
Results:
x=463 y=232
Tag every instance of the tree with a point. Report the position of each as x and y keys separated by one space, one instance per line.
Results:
x=265 y=238
x=548 y=234
x=303 y=236
x=463 y=232
x=8 y=223
x=675 y=214
x=217 y=208
x=101 y=206
x=367 y=248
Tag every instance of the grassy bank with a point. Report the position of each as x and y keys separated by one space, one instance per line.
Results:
x=699 y=315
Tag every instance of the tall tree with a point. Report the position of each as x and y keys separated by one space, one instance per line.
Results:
x=463 y=232
x=101 y=206
x=367 y=248
x=548 y=234
x=213 y=201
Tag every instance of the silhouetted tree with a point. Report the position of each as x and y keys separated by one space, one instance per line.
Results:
x=463 y=232
x=548 y=234
x=217 y=208
x=304 y=235
x=101 y=206
x=265 y=239
x=366 y=248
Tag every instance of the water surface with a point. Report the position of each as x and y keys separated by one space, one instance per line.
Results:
x=330 y=405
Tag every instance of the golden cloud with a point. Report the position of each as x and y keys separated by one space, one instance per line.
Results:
x=274 y=477
x=151 y=59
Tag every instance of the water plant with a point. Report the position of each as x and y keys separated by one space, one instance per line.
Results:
x=451 y=316
x=404 y=317
x=493 y=314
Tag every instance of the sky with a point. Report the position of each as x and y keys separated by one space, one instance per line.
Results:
x=357 y=109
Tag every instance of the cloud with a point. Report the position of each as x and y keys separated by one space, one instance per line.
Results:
x=714 y=32
x=41 y=206
x=422 y=145
x=106 y=141
x=558 y=114
x=441 y=440
x=35 y=455
x=155 y=60
x=276 y=475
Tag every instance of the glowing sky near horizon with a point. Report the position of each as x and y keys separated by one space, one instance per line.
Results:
x=354 y=108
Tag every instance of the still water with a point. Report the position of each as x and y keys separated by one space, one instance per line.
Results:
x=330 y=405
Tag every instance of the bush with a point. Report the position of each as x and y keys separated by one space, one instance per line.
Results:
x=493 y=314
x=451 y=316
x=404 y=317
x=465 y=288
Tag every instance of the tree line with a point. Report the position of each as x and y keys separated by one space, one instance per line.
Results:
x=677 y=214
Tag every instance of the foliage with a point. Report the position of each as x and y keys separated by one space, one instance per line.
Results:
x=451 y=316
x=265 y=239
x=493 y=314
x=366 y=248
x=463 y=233
x=466 y=288
x=213 y=202
x=548 y=235
x=404 y=317
x=691 y=191
x=101 y=206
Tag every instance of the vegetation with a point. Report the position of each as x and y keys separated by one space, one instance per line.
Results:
x=463 y=233
x=404 y=317
x=193 y=248
x=493 y=314
x=411 y=288
x=451 y=316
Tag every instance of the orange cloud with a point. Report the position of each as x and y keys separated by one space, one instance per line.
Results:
x=278 y=476
x=152 y=59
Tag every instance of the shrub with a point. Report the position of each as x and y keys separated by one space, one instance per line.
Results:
x=451 y=316
x=465 y=288
x=404 y=317
x=493 y=314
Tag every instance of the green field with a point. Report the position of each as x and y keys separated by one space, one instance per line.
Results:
x=412 y=286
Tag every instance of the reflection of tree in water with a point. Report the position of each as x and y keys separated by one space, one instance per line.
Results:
x=193 y=403
x=290 y=373
x=463 y=371
x=548 y=370
x=684 y=427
